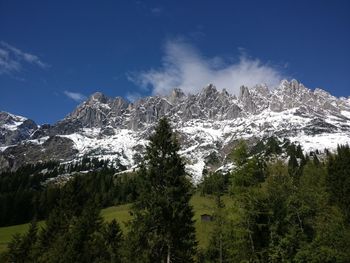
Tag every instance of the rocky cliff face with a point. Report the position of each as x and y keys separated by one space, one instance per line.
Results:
x=14 y=129
x=208 y=124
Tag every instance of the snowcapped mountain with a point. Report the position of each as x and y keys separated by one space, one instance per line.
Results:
x=208 y=125
x=14 y=129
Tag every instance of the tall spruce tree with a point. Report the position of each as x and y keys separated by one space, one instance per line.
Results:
x=162 y=229
x=338 y=179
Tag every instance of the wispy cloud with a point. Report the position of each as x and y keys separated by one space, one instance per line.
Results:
x=149 y=9
x=156 y=10
x=184 y=67
x=7 y=64
x=76 y=96
x=13 y=59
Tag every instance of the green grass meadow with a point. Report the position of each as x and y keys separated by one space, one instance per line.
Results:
x=201 y=205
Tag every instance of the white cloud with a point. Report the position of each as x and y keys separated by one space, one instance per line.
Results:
x=12 y=59
x=184 y=67
x=8 y=65
x=76 y=96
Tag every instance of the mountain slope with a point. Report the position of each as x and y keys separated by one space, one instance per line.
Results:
x=208 y=124
x=14 y=129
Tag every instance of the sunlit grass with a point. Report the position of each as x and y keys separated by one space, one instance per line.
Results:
x=201 y=205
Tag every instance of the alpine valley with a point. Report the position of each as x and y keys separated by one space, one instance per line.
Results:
x=208 y=125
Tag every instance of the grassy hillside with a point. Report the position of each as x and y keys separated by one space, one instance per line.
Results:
x=6 y=233
x=202 y=205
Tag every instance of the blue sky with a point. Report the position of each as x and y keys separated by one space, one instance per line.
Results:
x=53 y=54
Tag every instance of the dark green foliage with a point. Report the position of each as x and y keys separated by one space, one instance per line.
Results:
x=78 y=240
x=69 y=236
x=296 y=161
x=112 y=238
x=162 y=225
x=273 y=146
x=316 y=160
x=22 y=248
x=218 y=247
x=331 y=239
x=338 y=179
x=299 y=152
x=217 y=186
x=126 y=188
x=240 y=153
x=293 y=165
x=285 y=213
x=21 y=193
x=251 y=224
x=257 y=148
x=213 y=183
x=248 y=175
x=25 y=194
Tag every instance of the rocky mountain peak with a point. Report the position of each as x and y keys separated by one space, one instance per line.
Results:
x=120 y=103
x=176 y=95
x=262 y=90
x=14 y=128
x=225 y=93
x=292 y=87
x=98 y=97
x=243 y=92
x=208 y=123
x=208 y=98
x=8 y=118
x=209 y=89
x=209 y=92
x=322 y=93
x=100 y=110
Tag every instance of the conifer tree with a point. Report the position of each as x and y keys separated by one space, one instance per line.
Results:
x=216 y=251
x=240 y=153
x=293 y=166
x=338 y=179
x=113 y=240
x=162 y=229
x=22 y=247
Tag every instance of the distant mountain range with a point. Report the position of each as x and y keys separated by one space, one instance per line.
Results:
x=208 y=125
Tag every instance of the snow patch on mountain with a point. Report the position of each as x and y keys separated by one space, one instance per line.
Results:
x=122 y=145
x=345 y=113
x=12 y=122
x=321 y=141
x=207 y=124
x=3 y=148
x=39 y=141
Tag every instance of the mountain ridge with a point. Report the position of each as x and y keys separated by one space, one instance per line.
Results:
x=207 y=123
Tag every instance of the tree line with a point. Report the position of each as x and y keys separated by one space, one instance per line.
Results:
x=28 y=193
x=283 y=211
